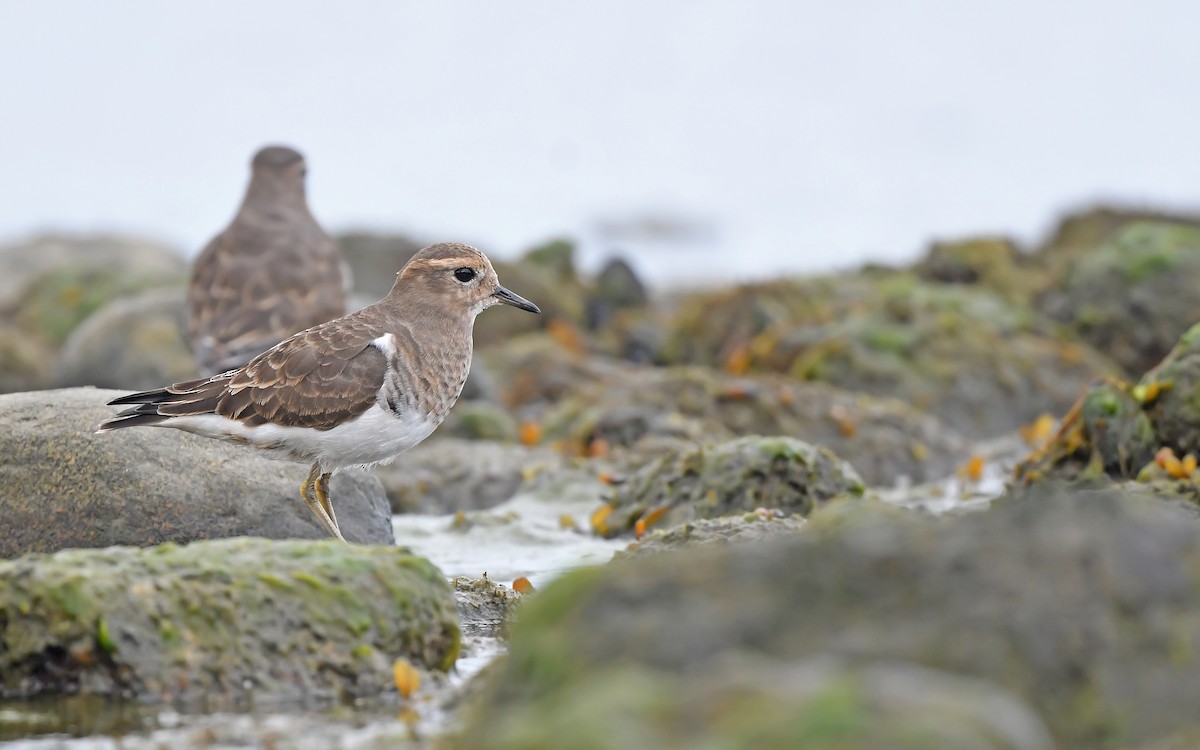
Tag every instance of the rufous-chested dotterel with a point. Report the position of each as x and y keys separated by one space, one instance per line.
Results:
x=353 y=392
x=272 y=272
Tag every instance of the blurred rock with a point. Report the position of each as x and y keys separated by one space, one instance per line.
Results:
x=25 y=361
x=236 y=617
x=1080 y=232
x=616 y=288
x=52 y=282
x=729 y=478
x=1118 y=430
x=63 y=486
x=1134 y=294
x=752 y=527
x=483 y=604
x=133 y=343
x=449 y=475
x=1077 y=605
x=374 y=260
x=637 y=408
x=962 y=353
x=479 y=420
x=820 y=703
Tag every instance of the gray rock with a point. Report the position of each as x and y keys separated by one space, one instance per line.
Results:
x=745 y=528
x=449 y=475
x=1080 y=604
x=294 y=619
x=375 y=259
x=133 y=343
x=63 y=486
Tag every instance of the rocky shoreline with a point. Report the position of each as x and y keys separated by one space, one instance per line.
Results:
x=737 y=441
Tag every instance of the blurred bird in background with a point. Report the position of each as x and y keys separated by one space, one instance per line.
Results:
x=271 y=273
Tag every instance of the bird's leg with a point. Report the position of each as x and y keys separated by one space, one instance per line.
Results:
x=322 y=488
x=309 y=493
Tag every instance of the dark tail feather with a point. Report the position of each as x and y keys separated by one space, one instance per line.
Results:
x=127 y=419
x=157 y=406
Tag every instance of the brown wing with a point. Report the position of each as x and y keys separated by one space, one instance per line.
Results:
x=318 y=378
x=258 y=282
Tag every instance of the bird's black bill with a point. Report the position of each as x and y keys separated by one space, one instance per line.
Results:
x=515 y=300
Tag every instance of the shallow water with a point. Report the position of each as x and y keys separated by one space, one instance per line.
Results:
x=538 y=534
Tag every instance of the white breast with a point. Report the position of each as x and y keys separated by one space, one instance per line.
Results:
x=378 y=435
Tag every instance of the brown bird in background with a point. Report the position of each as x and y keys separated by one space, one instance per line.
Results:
x=272 y=272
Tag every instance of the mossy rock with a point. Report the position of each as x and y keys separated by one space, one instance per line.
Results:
x=219 y=618
x=964 y=353
x=1075 y=603
x=1107 y=434
x=995 y=263
x=1134 y=294
x=754 y=526
x=638 y=409
x=736 y=477
x=374 y=259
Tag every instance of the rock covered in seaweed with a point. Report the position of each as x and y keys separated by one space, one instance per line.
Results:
x=730 y=478
x=646 y=409
x=273 y=619
x=1133 y=295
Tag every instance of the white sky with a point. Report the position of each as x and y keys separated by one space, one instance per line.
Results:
x=807 y=135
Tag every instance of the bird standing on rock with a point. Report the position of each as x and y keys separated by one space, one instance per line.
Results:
x=352 y=392
x=272 y=272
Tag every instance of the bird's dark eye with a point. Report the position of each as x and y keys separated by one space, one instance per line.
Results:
x=464 y=274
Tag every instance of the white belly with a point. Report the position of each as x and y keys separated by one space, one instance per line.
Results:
x=376 y=436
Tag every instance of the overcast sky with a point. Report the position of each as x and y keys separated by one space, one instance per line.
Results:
x=806 y=135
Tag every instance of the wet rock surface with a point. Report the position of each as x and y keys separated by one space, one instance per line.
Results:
x=63 y=486
x=724 y=479
x=284 y=619
x=1099 y=650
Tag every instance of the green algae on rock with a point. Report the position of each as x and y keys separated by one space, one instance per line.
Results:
x=221 y=618
x=635 y=408
x=728 y=478
x=1080 y=605
x=1134 y=294
x=754 y=526
x=1119 y=430
x=965 y=354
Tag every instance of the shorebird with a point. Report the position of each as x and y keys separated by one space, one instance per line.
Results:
x=353 y=392
x=272 y=272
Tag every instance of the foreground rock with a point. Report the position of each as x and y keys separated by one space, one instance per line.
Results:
x=1077 y=605
x=635 y=408
x=728 y=479
x=63 y=486
x=212 y=619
